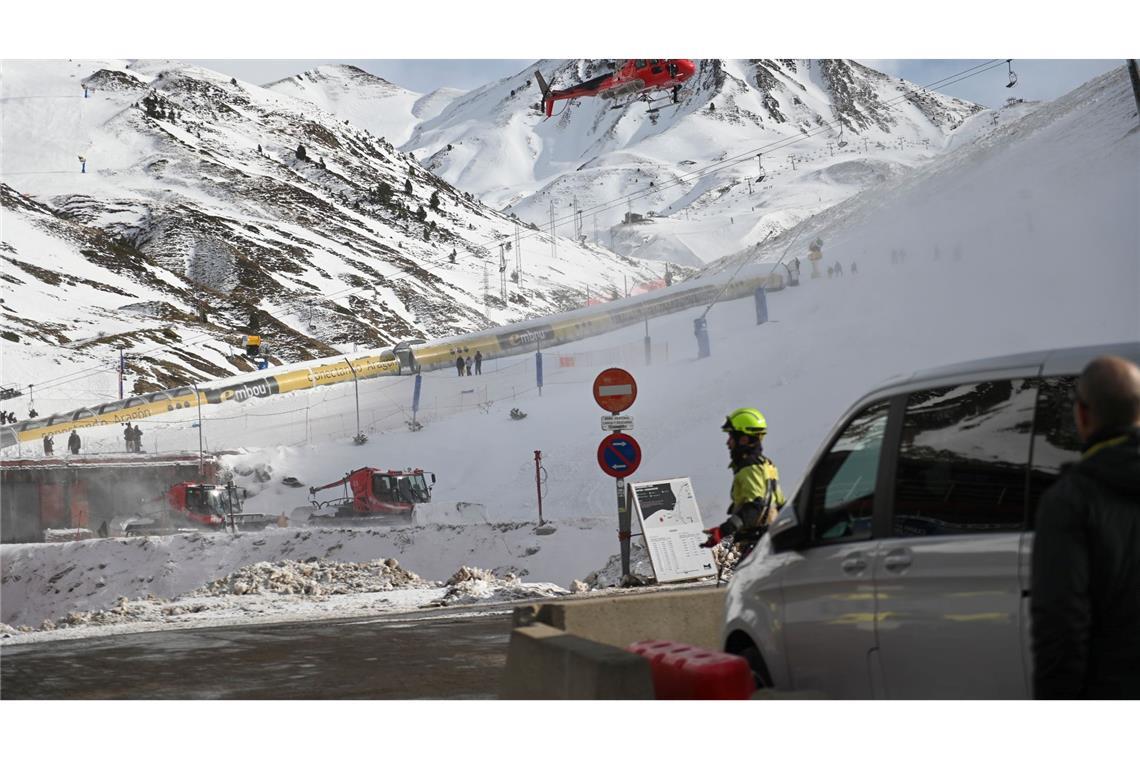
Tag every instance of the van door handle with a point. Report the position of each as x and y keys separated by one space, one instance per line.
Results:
x=898 y=560
x=854 y=563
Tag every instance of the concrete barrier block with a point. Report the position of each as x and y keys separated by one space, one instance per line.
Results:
x=692 y=616
x=547 y=663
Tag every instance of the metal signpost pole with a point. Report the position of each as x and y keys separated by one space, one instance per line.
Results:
x=360 y=436
x=538 y=481
x=619 y=455
x=230 y=501
x=198 y=403
x=648 y=347
x=623 y=527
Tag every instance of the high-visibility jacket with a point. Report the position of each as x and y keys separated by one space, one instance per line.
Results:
x=756 y=497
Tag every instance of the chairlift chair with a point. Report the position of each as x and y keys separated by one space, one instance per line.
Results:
x=1012 y=74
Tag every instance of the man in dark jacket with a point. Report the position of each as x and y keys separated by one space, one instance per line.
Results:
x=1085 y=601
x=73 y=442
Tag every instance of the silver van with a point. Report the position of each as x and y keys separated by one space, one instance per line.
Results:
x=901 y=567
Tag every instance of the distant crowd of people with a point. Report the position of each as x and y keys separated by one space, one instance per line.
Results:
x=131 y=434
x=464 y=366
x=133 y=437
x=73 y=443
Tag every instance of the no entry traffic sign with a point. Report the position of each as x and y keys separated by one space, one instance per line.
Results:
x=619 y=455
x=615 y=390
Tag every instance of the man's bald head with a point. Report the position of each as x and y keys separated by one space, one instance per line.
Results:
x=1109 y=389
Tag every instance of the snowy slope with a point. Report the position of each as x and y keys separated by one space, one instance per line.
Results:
x=492 y=143
x=1052 y=266
x=365 y=100
x=195 y=191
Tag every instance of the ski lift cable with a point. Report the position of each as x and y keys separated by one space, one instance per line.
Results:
x=679 y=179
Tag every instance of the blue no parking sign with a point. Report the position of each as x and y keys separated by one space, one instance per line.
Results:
x=619 y=455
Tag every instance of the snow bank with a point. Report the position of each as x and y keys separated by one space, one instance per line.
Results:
x=50 y=581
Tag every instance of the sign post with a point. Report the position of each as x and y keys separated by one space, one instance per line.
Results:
x=619 y=455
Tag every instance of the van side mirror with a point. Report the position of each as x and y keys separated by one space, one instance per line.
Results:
x=433 y=478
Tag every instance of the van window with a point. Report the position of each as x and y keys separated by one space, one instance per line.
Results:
x=1055 y=441
x=963 y=459
x=843 y=483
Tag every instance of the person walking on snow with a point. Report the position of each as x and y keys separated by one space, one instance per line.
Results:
x=469 y=366
x=49 y=445
x=478 y=362
x=459 y=365
x=756 y=494
x=73 y=442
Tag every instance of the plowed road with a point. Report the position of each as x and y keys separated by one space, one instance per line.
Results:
x=430 y=655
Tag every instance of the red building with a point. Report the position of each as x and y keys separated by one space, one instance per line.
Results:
x=44 y=494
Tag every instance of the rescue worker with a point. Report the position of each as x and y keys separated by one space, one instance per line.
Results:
x=756 y=494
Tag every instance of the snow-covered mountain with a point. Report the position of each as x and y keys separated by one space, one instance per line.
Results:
x=365 y=100
x=160 y=208
x=829 y=128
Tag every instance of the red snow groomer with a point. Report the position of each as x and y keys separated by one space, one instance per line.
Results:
x=197 y=506
x=379 y=497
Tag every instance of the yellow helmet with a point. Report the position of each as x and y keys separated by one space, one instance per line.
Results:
x=746 y=420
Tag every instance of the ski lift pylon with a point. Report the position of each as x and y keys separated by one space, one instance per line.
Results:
x=1012 y=74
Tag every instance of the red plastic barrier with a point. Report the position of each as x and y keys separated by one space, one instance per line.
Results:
x=683 y=671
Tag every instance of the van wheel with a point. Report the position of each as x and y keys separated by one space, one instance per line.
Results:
x=756 y=663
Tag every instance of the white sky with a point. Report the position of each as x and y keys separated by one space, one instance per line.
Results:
x=464 y=44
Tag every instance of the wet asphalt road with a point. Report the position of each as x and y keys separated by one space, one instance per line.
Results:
x=413 y=656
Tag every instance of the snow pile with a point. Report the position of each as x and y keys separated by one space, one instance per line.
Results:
x=314 y=577
x=610 y=575
x=470 y=585
x=283 y=572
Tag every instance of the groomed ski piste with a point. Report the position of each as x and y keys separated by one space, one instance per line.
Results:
x=1026 y=239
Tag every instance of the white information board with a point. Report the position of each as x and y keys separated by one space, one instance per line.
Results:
x=672 y=528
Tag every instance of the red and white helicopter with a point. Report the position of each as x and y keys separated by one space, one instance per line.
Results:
x=635 y=79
